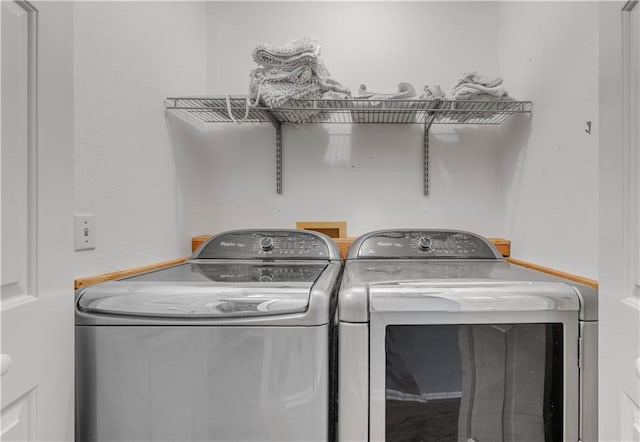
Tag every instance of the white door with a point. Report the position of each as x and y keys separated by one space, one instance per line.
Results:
x=36 y=221
x=619 y=348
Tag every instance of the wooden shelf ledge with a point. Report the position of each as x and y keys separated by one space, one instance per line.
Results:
x=87 y=281
x=503 y=246
x=560 y=274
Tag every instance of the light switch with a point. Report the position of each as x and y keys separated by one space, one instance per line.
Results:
x=85 y=236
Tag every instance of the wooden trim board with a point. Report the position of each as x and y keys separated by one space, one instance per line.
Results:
x=197 y=241
x=503 y=246
x=560 y=274
x=333 y=229
x=92 y=280
x=343 y=245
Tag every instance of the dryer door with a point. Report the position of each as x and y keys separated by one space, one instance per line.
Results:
x=481 y=361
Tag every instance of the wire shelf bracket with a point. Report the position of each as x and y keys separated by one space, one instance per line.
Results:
x=223 y=109
x=425 y=152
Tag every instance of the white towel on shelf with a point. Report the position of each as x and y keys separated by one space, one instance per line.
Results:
x=482 y=80
x=331 y=85
x=471 y=91
x=432 y=93
x=475 y=95
x=405 y=92
x=471 y=86
x=401 y=106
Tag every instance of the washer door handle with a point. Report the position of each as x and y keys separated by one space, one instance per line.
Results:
x=6 y=364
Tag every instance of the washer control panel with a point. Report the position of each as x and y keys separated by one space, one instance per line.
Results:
x=276 y=244
x=430 y=244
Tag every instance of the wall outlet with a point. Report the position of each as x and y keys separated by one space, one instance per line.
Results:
x=85 y=235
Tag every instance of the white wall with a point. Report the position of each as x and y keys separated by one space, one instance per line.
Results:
x=368 y=176
x=533 y=181
x=549 y=54
x=128 y=57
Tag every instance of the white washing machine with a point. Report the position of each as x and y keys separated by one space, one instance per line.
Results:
x=232 y=345
x=441 y=339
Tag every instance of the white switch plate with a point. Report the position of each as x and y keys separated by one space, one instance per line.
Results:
x=84 y=233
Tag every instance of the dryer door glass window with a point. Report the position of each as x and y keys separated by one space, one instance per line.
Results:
x=486 y=382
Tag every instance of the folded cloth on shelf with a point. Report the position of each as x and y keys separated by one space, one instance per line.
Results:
x=291 y=54
x=403 y=105
x=330 y=85
x=301 y=74
x=477 y=97
x=482 y=106
x=472 y=85
x=293 y=71
x=471 y=91
x=278 y=93
x=405 y=92
x=335 y=95
x=432 y=93
x=482 y=80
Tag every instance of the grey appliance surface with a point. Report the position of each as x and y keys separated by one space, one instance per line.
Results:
x=205 y=383
x=208 y=290
x=413 y=276
x=225 y=347
x=270 y=244
x=361 y=274
x=280 y=277
x=422 y=244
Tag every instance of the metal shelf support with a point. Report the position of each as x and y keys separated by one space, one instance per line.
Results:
x=223 y=109
x=277 y=124
x=425 y=160
x=279 y=159
x=428 y=121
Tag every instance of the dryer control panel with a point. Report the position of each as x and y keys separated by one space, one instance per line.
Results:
x=423 y=244
x=264 y=244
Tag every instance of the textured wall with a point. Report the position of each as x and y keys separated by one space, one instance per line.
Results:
x=369 y=176
x=549 y=53
x=128 y=57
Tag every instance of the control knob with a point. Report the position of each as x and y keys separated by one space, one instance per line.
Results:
x=266 y=243
x=424 y=243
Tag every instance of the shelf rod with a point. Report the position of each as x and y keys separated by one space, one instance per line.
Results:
x=425 y=159
x=428 y=121
x=279 y=158
x=278 y=126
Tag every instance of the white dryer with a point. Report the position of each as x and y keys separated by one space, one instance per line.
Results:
x=441 y=339
x=232 y=345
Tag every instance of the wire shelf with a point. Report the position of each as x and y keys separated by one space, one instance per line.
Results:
x=351 y=111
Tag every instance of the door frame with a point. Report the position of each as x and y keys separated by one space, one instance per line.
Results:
x=631 y=139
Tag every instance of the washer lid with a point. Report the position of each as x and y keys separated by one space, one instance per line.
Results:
x=197 y=290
